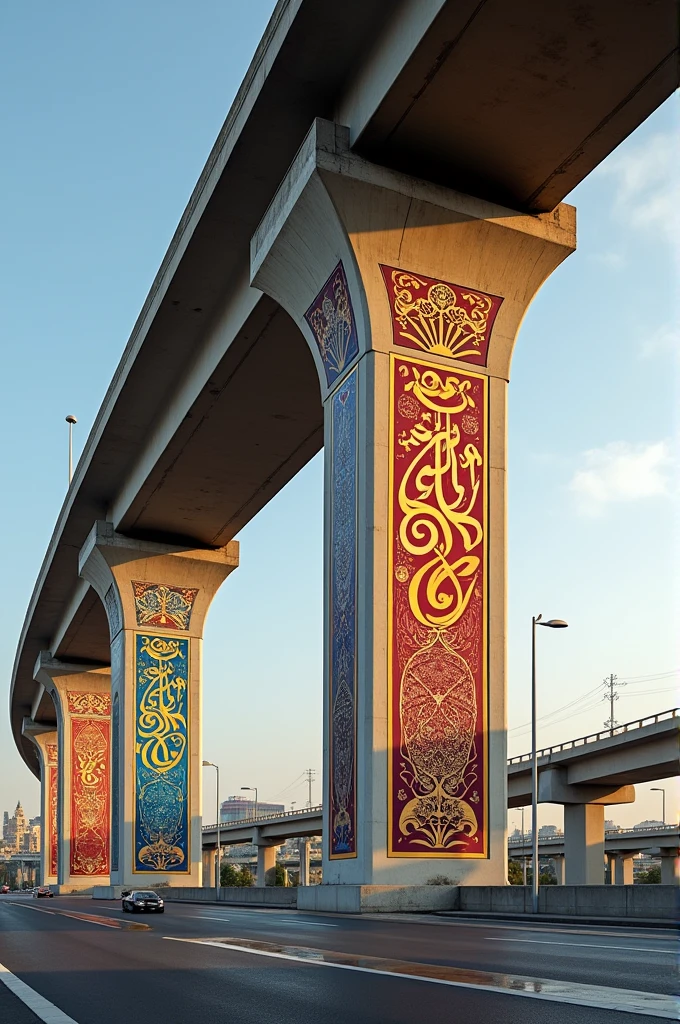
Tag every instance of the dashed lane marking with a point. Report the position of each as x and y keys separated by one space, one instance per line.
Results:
x=651 y=1004
x=41 y=1007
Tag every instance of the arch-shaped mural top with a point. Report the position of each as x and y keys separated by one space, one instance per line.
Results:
x=440 y=318
x=331 y=319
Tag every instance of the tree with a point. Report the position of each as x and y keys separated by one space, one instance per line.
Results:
x=515 y=876
x=651 y=877
x=246 y=877
x=229 y=875
x=280 y=875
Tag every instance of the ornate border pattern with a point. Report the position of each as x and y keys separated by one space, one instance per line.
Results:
x=51 y=832
x=161 y=828
x=343 y=613
x=438 y=636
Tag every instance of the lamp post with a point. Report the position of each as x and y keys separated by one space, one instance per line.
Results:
x=209 y=764
x=553 y=624
x=252 y=789
x=524 y=859
x=70 y=420
x=660 y=789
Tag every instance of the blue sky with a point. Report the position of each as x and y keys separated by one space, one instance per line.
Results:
x=108 y=116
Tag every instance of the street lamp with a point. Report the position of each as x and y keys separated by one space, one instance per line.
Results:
x=553 y=624
x=660 y=789
x=252 y=789
x=70 y=420
x=209 y=764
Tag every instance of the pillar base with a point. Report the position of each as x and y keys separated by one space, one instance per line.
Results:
x=377 y=899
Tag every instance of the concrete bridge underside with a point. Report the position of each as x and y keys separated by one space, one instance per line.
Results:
x=218 y=400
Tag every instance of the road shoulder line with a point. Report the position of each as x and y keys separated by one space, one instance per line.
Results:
x=41 y=1007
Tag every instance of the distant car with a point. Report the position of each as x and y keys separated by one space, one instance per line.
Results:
x=43 y=892
x=145 y=900
x=4 y=889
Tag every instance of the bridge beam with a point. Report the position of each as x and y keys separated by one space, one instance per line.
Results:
x=82 y=699
x=410 y=297
x=156 y=598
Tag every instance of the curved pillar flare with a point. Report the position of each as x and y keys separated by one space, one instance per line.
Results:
x=47 y=744
x=410 y=297
x=82 y=698
x=156 y=598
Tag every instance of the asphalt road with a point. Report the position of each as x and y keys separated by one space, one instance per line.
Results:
x=114 y=975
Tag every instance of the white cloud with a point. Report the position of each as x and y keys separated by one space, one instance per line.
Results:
x=647 y=185
x=620 y=472
x=664 y=341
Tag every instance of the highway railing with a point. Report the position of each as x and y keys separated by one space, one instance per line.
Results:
x=659 y=830
x=301 y=812
x=594 y=737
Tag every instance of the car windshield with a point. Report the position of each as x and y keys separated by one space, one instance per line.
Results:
x=147 y=895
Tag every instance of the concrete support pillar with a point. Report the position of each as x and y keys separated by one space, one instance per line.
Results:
x=669 y=867
x=82 y=699
x=209 y=868
x=156 y=598
x=584 y=844
x=303 y=848
x=266 y=863
x=558 y=861
x=622 y=868
x=610 y=868
x=410 y=297
x=47 y=745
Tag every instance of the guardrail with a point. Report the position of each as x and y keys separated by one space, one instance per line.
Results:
x=619 y=730
x=659 y=830
x=274 y=816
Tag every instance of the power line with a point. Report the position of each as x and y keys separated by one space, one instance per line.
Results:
x=310 y=774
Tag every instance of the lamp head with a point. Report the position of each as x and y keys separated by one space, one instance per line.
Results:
x=555 y=623
x=208 y=764
x=71 y=419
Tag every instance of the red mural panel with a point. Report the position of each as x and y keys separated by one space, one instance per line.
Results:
x=437 y=678
x=51 y=809
x=90 y=783
x=440 y=318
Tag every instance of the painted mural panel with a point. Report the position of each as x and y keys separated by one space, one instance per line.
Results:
x=52 y=768
x=90 y=782
x=161 y=607
x=440 y=318
x=161 y=832
x=437 y=679
x=331 y=319
x=343 y=632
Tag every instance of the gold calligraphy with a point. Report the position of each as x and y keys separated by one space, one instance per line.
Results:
x=161 y=722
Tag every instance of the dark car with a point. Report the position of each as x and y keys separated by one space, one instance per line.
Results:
x=43 y=892
x=143 y=900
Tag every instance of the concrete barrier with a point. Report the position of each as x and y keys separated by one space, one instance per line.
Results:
x=654 y=902
x=253 y=896
x=377 y=899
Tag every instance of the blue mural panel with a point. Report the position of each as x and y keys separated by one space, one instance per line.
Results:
x=161 y=833
x=343 y=614
x=331 y=319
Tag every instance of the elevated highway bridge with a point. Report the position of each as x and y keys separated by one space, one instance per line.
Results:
x=372 y=148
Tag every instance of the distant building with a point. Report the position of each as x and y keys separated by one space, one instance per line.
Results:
x=236 y=808
x=14 y=829
x=650 y=823
x=546 y=831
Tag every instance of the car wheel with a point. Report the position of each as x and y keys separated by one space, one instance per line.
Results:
x=161 y=910
x=125 y=908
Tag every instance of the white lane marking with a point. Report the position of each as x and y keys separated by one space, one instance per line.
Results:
x=41 y=1007
x=584 y=945
x=651 y=1004
x=285 y=923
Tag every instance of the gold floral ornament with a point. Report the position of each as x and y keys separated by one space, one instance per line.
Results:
x=161 y=723
x=89 y=704
x=440 y=318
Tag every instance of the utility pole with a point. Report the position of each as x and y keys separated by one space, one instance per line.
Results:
x=610 y=685
x=309 y=774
